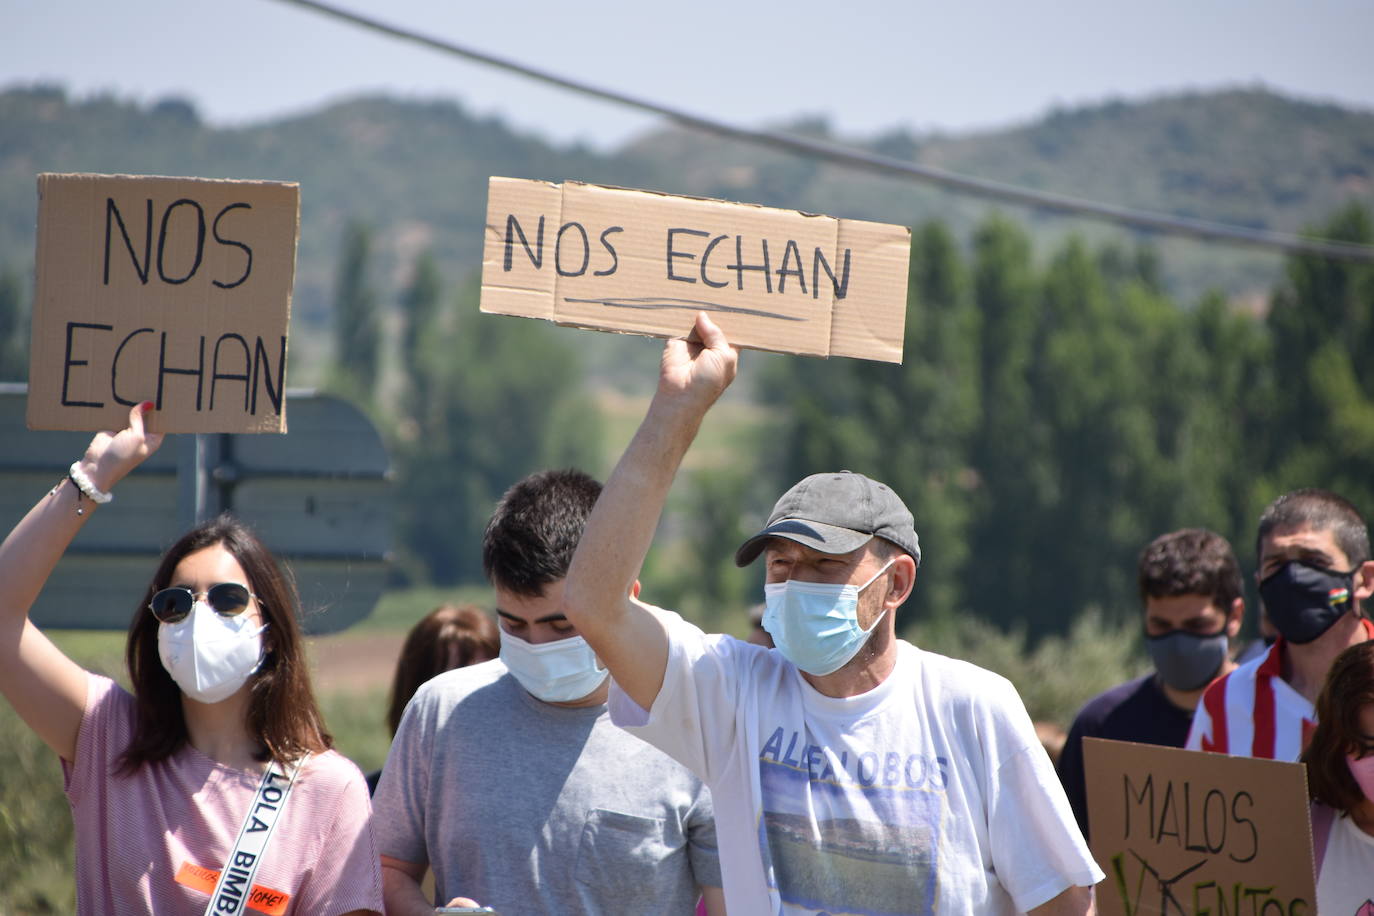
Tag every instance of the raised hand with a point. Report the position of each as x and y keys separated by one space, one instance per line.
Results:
x=111 y=456
x=695 y=371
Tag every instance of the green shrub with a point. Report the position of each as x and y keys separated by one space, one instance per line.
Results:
x=1058 y=675
x=357 y=720
x=35 y=824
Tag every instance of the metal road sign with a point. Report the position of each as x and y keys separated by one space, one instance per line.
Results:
x=317 y=496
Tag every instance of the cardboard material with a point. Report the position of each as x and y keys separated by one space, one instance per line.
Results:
x=170 y=290
x=639 y=262
x=1189 y=832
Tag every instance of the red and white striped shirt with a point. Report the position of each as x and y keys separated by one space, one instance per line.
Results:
x=1254 y=712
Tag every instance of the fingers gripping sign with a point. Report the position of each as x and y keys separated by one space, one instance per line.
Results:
x=112 y=455
x=698 y=369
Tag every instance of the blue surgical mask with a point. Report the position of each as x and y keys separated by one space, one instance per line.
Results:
x=815 y=625
x=556 y=672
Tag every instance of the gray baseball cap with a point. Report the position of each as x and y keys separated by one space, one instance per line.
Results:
x=836 y=512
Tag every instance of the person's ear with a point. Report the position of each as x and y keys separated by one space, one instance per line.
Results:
x=1235 y=618
x=901 y=581
x=1364 y=580
x=634 y=589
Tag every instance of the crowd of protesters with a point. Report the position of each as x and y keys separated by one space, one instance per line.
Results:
x=586 y=751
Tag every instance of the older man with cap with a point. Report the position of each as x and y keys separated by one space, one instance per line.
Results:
x=850 y=771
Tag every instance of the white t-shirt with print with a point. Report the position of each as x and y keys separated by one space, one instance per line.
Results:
x=929 y=793
x=1345 y=886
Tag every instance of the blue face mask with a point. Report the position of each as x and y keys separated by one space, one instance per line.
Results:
x=815 y=625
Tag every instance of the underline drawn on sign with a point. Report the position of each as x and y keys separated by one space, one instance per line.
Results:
x=659 y=303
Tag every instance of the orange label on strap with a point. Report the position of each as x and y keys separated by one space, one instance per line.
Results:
x=263 y=899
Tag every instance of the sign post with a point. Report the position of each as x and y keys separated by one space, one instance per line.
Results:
x=319 y=498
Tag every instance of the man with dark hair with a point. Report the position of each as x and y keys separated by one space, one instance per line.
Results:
x=851 y=771
x=1190 y=593
x=1314 y=571
x=508 y=779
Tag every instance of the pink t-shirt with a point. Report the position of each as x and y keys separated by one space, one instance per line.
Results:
x=151 y=842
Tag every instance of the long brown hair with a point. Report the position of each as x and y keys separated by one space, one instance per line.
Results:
x=1349 y=686
x=450 y=636
x=282 y=713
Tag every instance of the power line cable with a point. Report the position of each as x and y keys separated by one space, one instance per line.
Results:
x=884 y=165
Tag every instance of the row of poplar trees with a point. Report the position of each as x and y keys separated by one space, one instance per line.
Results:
x=1050 y=417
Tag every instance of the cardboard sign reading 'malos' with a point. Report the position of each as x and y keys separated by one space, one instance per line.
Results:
x=645 y=263
x=170 y=290
x=1189 y=832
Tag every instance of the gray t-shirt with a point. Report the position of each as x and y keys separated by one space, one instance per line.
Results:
x=532 y=808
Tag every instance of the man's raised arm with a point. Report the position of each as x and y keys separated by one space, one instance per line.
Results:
x=629 y=640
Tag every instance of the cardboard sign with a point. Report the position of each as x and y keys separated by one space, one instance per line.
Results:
x=1187 y=832
x=644 y=263
x=170 y=290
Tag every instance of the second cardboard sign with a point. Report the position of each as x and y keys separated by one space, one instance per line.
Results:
x=614 y=259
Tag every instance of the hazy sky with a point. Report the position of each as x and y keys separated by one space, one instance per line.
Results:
x=867 y=66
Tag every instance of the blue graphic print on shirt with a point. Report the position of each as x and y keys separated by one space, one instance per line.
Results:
x=853 y=832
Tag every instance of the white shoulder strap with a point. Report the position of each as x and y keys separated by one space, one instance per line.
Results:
x=235 y=884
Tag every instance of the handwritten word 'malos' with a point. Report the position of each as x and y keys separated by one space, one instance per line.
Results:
x=1200 y=821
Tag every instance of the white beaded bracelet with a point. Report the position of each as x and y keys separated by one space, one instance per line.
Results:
x=86 y=486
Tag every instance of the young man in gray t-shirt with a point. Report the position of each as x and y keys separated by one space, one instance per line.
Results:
x=508 y=780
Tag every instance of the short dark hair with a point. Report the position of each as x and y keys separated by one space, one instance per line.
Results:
x=450 y=636
x=1320 y=510
x=1349 y=686
x=1191 y=561
x=530 y=540
x=282 y=713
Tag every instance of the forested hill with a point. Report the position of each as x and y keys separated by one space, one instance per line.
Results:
x=1059 y=404
x=1248 y=157
x=415 y=172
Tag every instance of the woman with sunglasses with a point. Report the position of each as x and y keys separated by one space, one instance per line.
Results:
x=1340 y=779
x=220 y=742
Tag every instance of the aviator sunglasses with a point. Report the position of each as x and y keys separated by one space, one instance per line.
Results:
x=227 y=599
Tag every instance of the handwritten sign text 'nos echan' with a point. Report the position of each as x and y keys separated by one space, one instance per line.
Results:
x=644 y=263
x=170 y=290
x=1186 y=832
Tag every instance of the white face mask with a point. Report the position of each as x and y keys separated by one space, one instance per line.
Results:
x=555 y=672
x=210 y=656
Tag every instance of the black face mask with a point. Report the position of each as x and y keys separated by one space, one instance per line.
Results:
x=1304 y=601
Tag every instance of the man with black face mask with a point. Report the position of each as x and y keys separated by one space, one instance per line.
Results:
x=1314 y=572
x=1190 y=590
